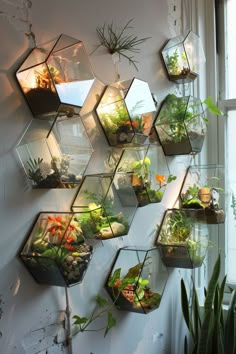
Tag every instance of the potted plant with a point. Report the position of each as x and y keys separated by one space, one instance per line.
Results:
x=100 y=211
x=147 y=169
x=126 y=112
x=55 y=252
x=182 y=56
x=210 y=331
x=51 y=79
x=133 y=283
x=182 y=242
x=202 y=195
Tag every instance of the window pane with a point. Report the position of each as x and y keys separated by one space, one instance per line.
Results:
x=231 y=187
x=231 y=49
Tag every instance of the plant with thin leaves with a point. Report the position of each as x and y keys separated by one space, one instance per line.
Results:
x=233 y=205
x=102 y=308
x=117 y=41
x=209 y=331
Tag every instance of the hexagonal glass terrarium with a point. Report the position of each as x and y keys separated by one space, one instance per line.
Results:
x=182 y=241
x=145 y=167
x=202 y=194
x=182 y=56
x=56 y=74
x=181 y=125
x=55 y=252
x=137 y=279
x=126 y=112
x=55 y=154
x=101 y=210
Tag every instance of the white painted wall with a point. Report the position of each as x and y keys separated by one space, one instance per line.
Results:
x=29 y=313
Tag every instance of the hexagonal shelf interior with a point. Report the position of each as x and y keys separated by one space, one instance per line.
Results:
x=55 y=154
x=182 y=56
x=183 y=242
x=145 y=167
x=126 y=112
x=102 y=210
x=56 y=74
x=55 y=252
x=181 y=125
x=137 y=279
x=202 y=194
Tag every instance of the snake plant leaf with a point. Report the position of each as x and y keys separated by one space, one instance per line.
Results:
x=185 y=345
x=185 y=306
x=221 y=296
x=207 y=323
x=230 y=328
x=196 y=315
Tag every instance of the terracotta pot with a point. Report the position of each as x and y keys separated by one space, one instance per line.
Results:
x=204 y=195
x=136 y=181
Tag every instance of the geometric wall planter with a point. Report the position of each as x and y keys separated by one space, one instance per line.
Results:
x=55 y=252
x=102 y=209
x=126 y=112
x=182 y=56
x=55 y=154
x=181 y=125
x=56 y=75
x=145 y=167
x=202 y=194
x=182 y=241
x=137 y=280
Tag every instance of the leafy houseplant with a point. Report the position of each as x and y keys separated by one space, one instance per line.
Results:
x=201 y=194
x=56 y=253
x=142 y=182
x=181 y=124
x=179 y=245
x=132 y=292
x=209 y=331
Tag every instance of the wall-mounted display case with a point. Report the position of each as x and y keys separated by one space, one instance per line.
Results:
x=181 y=125
x=126 y=112
x=145 y=167
x=55 y=252
x=102 y=210
x=55 y=154
x=203 y=195
x=183 y=242
x=182 y=56
x=137 y=280
x=55 y=75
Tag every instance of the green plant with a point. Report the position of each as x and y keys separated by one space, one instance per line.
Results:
x=178 y=228
x=179 y=116
x=117 y=41
x=209 y=331
x=233 y=205
x=102 y=308
x=172 y=63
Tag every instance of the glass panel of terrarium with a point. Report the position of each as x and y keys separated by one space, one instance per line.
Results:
x=155 y=272
x=174 y=42
x=69 y=138
x=75 y=76
x=194 y=51
x=64 y=41
x=36 y=57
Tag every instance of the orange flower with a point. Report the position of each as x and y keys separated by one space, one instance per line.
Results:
x=160 y=178
x=125 y=122
x=135 y=124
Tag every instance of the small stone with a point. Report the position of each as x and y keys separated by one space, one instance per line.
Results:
x=69 y=259
x=74 y=263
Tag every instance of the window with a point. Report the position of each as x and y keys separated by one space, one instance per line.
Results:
x=227 y=86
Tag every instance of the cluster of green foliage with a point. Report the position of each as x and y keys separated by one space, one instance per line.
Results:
x=172 y=63
x=209 y=331
x=178 y=228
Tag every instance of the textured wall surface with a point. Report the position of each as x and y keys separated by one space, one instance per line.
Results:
x=31 y=315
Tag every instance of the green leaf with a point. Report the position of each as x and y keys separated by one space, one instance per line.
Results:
x=230 y=327
x=101 y=301
x=111 y=322
x=79 y=320
x=114 y=277
x=185 y=307
x=212 y=107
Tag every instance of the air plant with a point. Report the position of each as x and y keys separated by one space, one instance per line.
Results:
x=117 y=41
